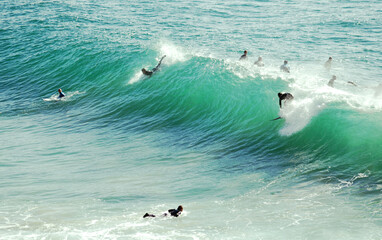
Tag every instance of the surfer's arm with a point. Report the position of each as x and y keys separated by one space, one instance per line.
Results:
x=280 y=102
x=159 y=63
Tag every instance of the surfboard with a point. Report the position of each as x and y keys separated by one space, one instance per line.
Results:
x=51 y=99
x=276 y=118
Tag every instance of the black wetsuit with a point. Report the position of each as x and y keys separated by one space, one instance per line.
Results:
x=61 y=95
x=149 y=73
x=285 y=96
x=148 y=215
x=174 y=212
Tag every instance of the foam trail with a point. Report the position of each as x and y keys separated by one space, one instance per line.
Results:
x=136 y=78
x=173 y=53
x=298 y=113
x=67 y=97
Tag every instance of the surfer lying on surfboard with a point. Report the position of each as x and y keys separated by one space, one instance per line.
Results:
x=149 y=73
x=172 y=212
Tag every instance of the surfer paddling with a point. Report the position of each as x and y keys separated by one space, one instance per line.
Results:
x=170 y=212
x=149 y=73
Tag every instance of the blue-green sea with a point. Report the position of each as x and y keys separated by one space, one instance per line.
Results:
x=198 y=132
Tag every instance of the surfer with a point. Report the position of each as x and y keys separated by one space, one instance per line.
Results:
x=149 y=73
x=328 y=64
x=259 y=62
x=244 y=56
x=284 y=96
x=172 y=212
x=331 y=81
x=285 y=67
x=61 y=94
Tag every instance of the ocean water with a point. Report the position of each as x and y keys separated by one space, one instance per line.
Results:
x=198 y=132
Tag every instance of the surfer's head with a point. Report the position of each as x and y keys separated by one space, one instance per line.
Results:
x=245 y=52
x=180 y=208
x=145 y=72
x=279 y=94
x=285 y=62
x=59 y=90
x=260 y=58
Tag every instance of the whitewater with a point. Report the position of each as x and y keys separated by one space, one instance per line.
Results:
x=199 y=131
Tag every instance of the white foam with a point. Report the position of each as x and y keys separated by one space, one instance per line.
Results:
x=298 y=113
x=67 y=97
x=173 y=54
x=349 y=183
x=312 y=94
x=136 y=78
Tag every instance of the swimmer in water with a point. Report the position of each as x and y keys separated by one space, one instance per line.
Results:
x=259 y=62
x=172 y=212
x=328 y=64
x=285 y=67
x=61 y=94
x=149 y=73
x=284 y=96
x=331 y=81
x=244 y=56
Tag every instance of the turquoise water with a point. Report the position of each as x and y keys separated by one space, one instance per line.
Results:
x=196 y=133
